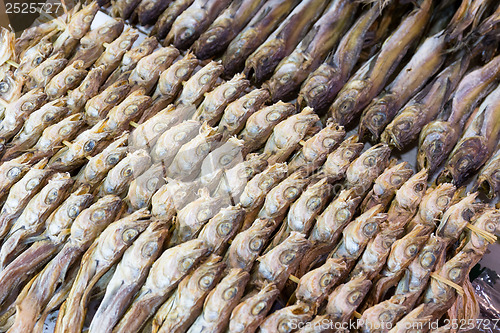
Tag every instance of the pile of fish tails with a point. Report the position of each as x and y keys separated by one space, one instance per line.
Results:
x=207 y=179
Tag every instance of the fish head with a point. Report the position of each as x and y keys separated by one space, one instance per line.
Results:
x=436 y=140
x=346 y=105
x=456 y=217
x=412 y=191
x=208 y=43
x=435 y=202
x=402 y=129
x=376 y=116
x=283 y=82
x=393 y=178
x=347 y=297
x=81 y=20
x=319 y=84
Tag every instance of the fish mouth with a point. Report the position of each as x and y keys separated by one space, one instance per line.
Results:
x=446 y=176
x=390 y=138
x=487 y=188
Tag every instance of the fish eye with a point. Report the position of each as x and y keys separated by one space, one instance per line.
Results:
x=14 y=173
x=89 y=146
x=342 y=215
x=329 y=142
x=316 y=90
x=287 y=257
x=159 y=127
x=48 y=71
x=152 y=184
x=51 y=196
x=203 y=149
x=206 y=281
x=204 y=79
x=443 y=201
x=124 y=44
x=98 y=215
x=224 y=229
x=246 y=173
x=248 y=103
x=436 y=147
x=129 y=235
x=187 y=33
x=396 y=180
x=181 y=72
x=284 y=327
x=313 y=203
x=149 y=249
x=32 y=183
x=404 y=125
x=229 y=92
x=346 y=106
x=211 y=39
x=127 y=172
x=256 y=244
x=104 y=31
x=490 y=227
x=419 y=187
x=180 y=136
x=113 y=98
x=86 y=19
x=411 y=250
x=4 y=87
x=455 y=274
x=354 y=297
x=348 y=154
x=69 y=79
x=203 y=215
x=273 y=116
x=285 y=78
x=326 y=279
x=370 y=161
x=258 y=308
x=48 y=117
x=65 y=131
x=428 y=259
x=131 y=109
x=369 y=229
x=112 y=159
x=160 y=60
x=186 y=264
x=226 y=159
x=229 y=293
x=496 y=176
x=73 y=211
x=378 y=119
x=37 y=61
x=291 y=193
x=464 y=163
x=467 y=214
x=386 y=316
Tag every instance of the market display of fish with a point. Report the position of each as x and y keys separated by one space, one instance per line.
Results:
x=191 y=181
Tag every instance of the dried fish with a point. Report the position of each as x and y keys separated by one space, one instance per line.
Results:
x=10 y=85
x=222 y=158
x=256 y=31
x=98 y=106
x=120 y=176
x=386 y=185
x=166 y=20
x=167 y=271
x=142 y=188
x=172 y=197
x=12 y=171
x=225 y=28
x=469 y=13
x=384 y=315
x=489 y=177
x=220 y=302
x=286 y=319
x=34 y=56
x=439 y=137
x=106 y=250
x=477 y=142
x=370 y=79
x=130 y=274
x=191 y=219
x=186 y=303
x=260 y=124
x=215 y=101
x=189 y=25
x=456 y=217
x=306 y=57
x=248 y=244
x=346 y=298
x=86 y=90
x=41 y=75
x=113 y=54
x=68 y=79
x=236 y=113
x=7 y=51
x=339 y=160
x=288 y=133
x=37 y=293
x=201 y=82
x=148 y=11
x=260 y=64
x=221 y=228
x=148 y=69
x=322 y=85
x=33 y=35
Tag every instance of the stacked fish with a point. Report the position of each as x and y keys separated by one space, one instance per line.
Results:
x=171 y=193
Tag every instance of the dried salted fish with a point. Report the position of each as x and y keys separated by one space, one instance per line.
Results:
x=186 y=303
x=98 y=106
x=224 y=157
x=236 y=113
x=286 y=319
x=384 y=315
x=112 y=55
x=12 y=171
x=86 y=90
x=215 y=101
x=201 y=82
x=7 y=50
x=221 y=228
x=33 y=35
x=148 y=11
x=167 y=271
x=41 y=75
x=172 y=197
x=34 y=56
x=142 y=188
x=489 y=177
x=346 y=298
x=166 y=20
x=339 y=160
x=40 y=289
x=68 y=79
x=260 y=124
x=120 y=176
x=129 y=276
x=10 y=85
x=455 y=218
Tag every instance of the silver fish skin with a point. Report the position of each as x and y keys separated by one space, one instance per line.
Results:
x=225 y=27
x=222 y=228
x=322 y=85
x=265 y=20
x=261 y=63
x=86 y=90
x=260 y=124
x=11 y=172
x=249 y=314
x=186 y=303
x=215 y=101
x=438 y=138
x=315 y=286
x=106 y=250
x=200 y=83
x=316 y=149
x=129 y=276
x=21 y=192
x=488 y=180
x=32 y=219
x=113 y=54
x=284 y=320
x=286 y=135
x=191 y=219
x=371 y=77
x=276 y=265
x=346 y=298
x=142 y=188
x=248 y=244
x=167 y=271
x=166 y=20
x=312 y=49
x=169 y=143
x=120 y=176
x=36 y=295
x=338 y=161
x=189 y=25
x=98 y=166
x=236 y=113
x=220 y=302
x=148 y=69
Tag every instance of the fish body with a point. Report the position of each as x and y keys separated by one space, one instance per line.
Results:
x=142 y=188
x=86 y=90
x=112 y=55
x=167 y=18
x=97 y=107
x=200 y=83
x=338 y=161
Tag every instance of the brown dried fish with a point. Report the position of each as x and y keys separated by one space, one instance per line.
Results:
x=86 y=90
x=201 y=82
x=12 y=171
x=346 y=298
x=98 y=106
x=32 y=36
x=222 y=228
x=456 y=217
x=339 y=160
x=167 y=271
x=186 y=303
x=287 y=319
x=34 y=56
x=113 y=53
x=172 y=197
x=383 y=316
x=167 y=18
x=69 y=78
x=41 y=75
x=489 y=177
